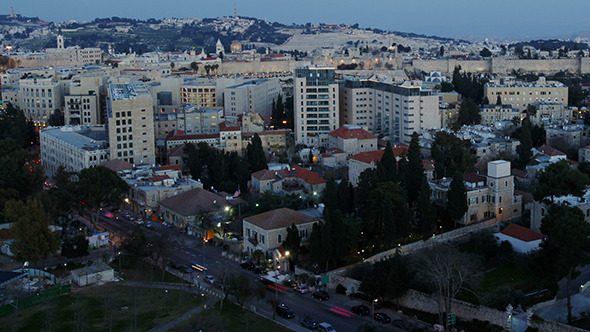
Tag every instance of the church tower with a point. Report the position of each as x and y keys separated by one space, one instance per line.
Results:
x=219 y=47
x=60 y=42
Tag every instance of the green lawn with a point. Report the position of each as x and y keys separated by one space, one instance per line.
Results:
x=102 y=308
x=230 y=319
x=509 y=276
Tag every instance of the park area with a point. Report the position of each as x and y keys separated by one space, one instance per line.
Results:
x=109 y=307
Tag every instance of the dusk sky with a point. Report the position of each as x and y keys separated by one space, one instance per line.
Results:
x=471 y=19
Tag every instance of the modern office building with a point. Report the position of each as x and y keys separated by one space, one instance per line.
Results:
x=315 y=104
x=201 y=94
x=73 y=147
x=131 y=123
x=199 y=120
x=387 y=109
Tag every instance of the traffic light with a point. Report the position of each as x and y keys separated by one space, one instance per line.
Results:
x=451 y=318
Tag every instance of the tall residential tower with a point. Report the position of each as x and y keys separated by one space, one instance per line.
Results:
x=315 y=104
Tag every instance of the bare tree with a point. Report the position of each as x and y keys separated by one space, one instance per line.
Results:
x=449 y=271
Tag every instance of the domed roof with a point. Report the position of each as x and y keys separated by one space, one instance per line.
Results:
x=236 y=46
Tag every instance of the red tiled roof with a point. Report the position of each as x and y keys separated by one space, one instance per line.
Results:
x=168 y=167
x=376 y=155
x=428 y=164
x=223 y=126
x=302 y=173
x=522 y=233
x=473 y=178
x=195 y=136
x=159 y=178
x=347 y=133
x=550 y=151
x=521 y=173
x=334 y=150
x=279 y=218
x=526 y=197
x=117 y=165
x=264 y=174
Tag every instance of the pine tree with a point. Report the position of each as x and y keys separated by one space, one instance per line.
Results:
x=415 y=172
x=256 y=155
x=387 y=166
x=425 y=210
x=457 y=197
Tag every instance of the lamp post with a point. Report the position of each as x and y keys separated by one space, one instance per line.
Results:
x=373 y=310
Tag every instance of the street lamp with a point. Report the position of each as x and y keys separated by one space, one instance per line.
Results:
x=373 y=310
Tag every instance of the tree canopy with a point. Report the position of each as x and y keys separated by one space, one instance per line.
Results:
x=99 y=187
x=451 y=155
x=560 y=179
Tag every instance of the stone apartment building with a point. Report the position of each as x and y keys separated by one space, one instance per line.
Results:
x=539 y=209
x=252 y=96
x=39 y=96
x=315 y=104
x=84 y=103
x=268 y=230
x=73 y=147
x=492 y=113
x=488 y=197
x=352 y=139
x=387 y=109
x=521 y=94
x=549 y=113
x=130 y=122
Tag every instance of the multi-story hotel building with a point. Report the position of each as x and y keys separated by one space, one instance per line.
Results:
x=201 y=95
x=521 y=94
x=385 y=109
x=73 y=147
x=131 y=123
x=316 y=105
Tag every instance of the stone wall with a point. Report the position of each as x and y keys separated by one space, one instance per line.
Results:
x=505 y=65
x=230 y=68
x=438 y=239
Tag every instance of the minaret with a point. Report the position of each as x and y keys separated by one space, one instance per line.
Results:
x=235 y=11
x=60 y=42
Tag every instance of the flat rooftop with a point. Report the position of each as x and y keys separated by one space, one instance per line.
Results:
x=125 y=91
x=81 y=137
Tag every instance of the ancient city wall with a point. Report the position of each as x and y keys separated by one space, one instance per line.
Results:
x=505 y=65
x=254 y=67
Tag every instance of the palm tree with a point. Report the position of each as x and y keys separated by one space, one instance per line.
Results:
x=207 y=69
x=257 y=255
x=194 y=66
x=172 y=65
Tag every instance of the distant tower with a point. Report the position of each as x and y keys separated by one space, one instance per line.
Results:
x=12 y=12
x=219 y=47
x=235 y=10
x=60 y=42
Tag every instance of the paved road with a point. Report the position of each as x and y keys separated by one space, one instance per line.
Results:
x=193 y=251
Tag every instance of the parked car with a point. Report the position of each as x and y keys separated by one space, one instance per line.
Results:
x=210 y=279
x=325 y=327
x=403 y=324
x=320 y=295
x=291 y=283
x=248 y=266
x=361 y=310
x=309 y=323
x=382 y=317
x=259 y=270
x=284 y=311
x=301 y=290
x=148 y=224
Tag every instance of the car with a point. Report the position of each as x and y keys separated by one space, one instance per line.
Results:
x=309 y=323
x=301 y=290
x=291 y=283
x=247 y=266
x=259 y=270
x=403 y=324
x=148 y=224
x=320 y=295
x=361 y=310
x=210 y=279
x=325 y=327
x=284 y=311
x=381 y=317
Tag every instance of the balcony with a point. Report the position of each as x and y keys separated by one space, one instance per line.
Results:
x=253 y=240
